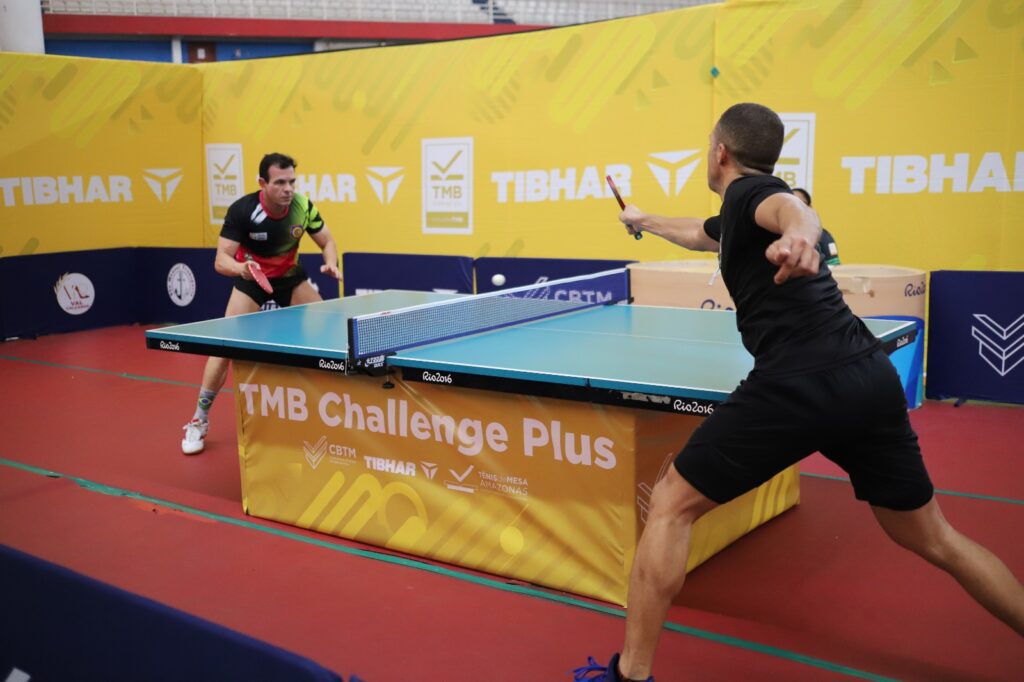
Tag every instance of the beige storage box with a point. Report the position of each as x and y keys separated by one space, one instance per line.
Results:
x=868 y=289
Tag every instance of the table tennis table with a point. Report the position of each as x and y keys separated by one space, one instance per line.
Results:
x=511 y=444
x=672 y=359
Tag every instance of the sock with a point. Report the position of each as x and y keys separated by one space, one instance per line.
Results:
x=204 y=404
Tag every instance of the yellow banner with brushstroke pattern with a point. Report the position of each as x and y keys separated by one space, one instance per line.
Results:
x=902 y=119
x=98 y=154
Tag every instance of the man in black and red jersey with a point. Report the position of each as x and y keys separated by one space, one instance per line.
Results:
x=264 y=227
x=820 y=382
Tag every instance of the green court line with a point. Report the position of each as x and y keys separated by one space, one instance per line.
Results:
x=155 y=380
x=939 y=491
x=93 y=370
x=715 y=637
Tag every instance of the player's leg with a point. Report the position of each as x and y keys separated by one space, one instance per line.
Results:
x=659 y=568
x=926 y=532
x=749 y=438
x=305 y=293
x=214 y=375
x=877 y=446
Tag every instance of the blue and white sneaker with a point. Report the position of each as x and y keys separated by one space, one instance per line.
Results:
x=595 y=672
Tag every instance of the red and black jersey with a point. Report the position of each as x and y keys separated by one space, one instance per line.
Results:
x=272 y=241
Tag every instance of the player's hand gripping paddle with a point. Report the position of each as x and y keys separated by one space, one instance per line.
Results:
x=622 y=204
x=258 y=275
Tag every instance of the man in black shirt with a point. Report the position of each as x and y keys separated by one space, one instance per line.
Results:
x=820 y=383
x=264 y=227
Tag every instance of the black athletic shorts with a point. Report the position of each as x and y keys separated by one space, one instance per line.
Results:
x=283 y=287
x=855 y=414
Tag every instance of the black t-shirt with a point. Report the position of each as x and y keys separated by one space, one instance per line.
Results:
x=273 y=242
x=799 y=326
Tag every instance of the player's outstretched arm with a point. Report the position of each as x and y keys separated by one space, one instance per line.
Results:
x=686 y=232
x=798 y=227
x=225 y=263
x=326 y=243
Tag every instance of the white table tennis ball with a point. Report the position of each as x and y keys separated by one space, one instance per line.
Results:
x=498 y=280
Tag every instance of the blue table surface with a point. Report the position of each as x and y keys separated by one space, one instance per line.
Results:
x=675 y=351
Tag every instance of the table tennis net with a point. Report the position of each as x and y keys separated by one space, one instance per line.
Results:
x=387 y=332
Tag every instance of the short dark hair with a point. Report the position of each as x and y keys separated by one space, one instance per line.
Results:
x=275 y=159
x=753 y=134
x=804 y=192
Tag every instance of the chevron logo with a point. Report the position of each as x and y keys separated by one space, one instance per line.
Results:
x=163 y=181
x=385 y=181
x=673 y=169
x=315 y=453
x=1002 y=348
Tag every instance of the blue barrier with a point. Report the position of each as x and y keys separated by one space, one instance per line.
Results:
x=368 y=272
x=522 y=271
x=67 y=292
x=976 y=336
x=79 y=290
x=180 y=285
x=56 y=624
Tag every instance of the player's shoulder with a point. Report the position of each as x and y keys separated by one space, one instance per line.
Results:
x=244 y=204
x=301 y=200
x=749 y=191
x=751 y=184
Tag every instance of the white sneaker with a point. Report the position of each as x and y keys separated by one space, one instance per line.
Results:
x=195 y=432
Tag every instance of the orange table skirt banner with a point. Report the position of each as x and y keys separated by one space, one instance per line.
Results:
x=542 y=490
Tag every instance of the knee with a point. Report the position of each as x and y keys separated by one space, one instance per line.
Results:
x=676 y=500
x=936 y=545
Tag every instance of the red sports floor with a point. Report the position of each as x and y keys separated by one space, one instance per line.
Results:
x=91 y=477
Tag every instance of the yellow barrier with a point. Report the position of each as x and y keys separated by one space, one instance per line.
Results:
x=902 y=120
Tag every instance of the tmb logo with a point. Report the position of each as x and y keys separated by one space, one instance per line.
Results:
x=1002 y=348
x=796 y=160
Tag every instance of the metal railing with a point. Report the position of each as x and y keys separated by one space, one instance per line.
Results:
x=535 y=12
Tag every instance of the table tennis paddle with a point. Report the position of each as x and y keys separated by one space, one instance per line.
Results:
x=258 y=275
x=622 y=204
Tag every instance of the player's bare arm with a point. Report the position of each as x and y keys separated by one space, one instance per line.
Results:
x=798 y=227
x=225 y=263
x=325 y=241
x=686 y=232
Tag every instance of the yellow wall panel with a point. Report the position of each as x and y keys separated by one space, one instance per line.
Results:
x=902 y=118
x=98 y=154
x=918 y=151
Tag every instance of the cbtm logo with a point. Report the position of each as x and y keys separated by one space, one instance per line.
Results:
x=75 y=293
x=314 y=452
